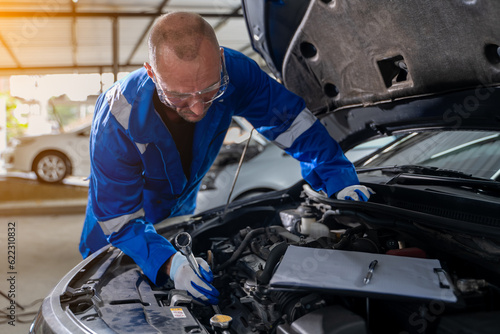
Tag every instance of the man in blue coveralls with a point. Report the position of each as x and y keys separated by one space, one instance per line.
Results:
x=157 y=131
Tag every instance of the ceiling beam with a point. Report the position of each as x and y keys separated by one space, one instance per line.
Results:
x=95 y=68
x=145 y=32
x=9 y=50
x=114 y=16
x=104 y=14
x=74 y=43
x=226 y=18
x=116 y=49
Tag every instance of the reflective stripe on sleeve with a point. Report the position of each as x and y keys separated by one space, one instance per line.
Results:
x=119 y=106
x=141 y=147
x=121 y=109
x=301 y=124
x=115 y=224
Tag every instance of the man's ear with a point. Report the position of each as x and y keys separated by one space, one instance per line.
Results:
x=149 y=69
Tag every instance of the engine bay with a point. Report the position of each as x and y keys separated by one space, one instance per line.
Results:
x=244 y=261
x=245 y=244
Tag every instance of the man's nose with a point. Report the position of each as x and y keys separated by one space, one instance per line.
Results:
x=197 y=107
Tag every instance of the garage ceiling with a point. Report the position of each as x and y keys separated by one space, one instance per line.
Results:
x=65 y=36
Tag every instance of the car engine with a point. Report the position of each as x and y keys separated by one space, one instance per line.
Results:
x=245 y=247
x=245 y=244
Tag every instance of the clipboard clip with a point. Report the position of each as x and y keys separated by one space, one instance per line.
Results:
x=442 y=274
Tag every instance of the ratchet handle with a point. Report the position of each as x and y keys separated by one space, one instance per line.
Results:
x=194 y=264
x=183 y=243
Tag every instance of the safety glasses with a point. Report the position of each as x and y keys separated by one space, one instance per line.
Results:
x=187 y=100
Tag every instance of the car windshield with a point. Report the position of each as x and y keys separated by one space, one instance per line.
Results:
x=472 y=152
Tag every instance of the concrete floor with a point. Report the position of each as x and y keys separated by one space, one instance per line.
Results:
x=46 y=249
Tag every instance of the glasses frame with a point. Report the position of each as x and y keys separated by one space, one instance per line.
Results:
x=222 y=85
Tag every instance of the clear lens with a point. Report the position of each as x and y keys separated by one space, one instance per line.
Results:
x=205 y=96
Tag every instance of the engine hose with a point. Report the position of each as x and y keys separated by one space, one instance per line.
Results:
x=240 y=249
x=347 y=236
x=271 y=262
x=287 y=302
x=328 y=213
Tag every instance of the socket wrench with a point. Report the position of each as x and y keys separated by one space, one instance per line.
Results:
x=183 y=243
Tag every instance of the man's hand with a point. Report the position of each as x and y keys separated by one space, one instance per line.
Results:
x=355 y=193
x=185 y=278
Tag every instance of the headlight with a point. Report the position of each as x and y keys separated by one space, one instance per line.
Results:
x=15 y=142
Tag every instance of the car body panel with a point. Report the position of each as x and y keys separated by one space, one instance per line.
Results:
x=272 y=169
x=74 y=145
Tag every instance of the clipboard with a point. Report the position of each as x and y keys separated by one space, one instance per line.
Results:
x=344 y=271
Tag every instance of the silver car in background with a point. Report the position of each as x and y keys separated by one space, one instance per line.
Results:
x=52 y=157
x=266 y=168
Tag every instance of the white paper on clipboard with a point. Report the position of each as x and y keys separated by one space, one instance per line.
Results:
x=328 y=269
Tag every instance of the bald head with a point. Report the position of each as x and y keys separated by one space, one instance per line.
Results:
x=181 y=35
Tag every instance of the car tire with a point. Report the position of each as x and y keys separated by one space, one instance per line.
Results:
x=51 y=167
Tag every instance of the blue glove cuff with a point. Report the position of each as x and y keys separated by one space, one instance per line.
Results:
x=207 y=275
x=212 y=295
x=362 y=196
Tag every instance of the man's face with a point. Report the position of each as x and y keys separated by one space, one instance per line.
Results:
x=189 y=87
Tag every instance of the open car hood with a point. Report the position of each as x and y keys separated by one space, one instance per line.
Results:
x=378 y=66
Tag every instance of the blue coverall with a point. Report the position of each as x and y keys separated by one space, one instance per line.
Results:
x=137 y=178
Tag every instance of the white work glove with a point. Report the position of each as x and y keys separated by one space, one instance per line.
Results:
x=355 y=193
x=186 y=279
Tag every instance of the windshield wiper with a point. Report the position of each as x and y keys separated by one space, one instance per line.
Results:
x=421 y=170
x=418 y=175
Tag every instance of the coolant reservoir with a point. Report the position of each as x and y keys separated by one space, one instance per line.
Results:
x=306 y=222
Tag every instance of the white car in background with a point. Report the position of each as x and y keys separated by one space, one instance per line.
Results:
x=52 y=157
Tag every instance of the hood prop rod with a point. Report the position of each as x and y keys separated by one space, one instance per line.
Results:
x=237 y=173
